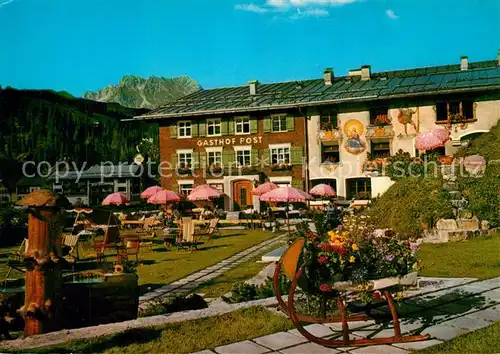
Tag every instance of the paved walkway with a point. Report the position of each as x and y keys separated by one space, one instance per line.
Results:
x=185 y=285
x=444 y=314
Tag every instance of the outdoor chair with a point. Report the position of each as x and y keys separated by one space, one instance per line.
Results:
x=132 y=248
x=147 y=240
x=209 y=230
x=71 y=245
x=186 y=239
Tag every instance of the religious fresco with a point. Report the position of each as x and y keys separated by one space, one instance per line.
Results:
x=405 y=116
x=354 y=144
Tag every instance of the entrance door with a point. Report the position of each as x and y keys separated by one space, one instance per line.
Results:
x=242 y=193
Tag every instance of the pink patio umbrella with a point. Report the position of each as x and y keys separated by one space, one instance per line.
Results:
x=285 y=194
x=264 y=188
x=116 y=199
x=150 y=191
x=164 y=197
x=323 y=190
x=203 y=192
x=432 y=139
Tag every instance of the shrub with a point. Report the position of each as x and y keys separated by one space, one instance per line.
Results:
x=411 y=205
x=179 y=303
x=487 y=145
x=483 y=194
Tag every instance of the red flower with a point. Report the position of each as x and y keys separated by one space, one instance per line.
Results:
x=340 y=249
x=325 y=288
x=311 y=235
x=376 y=295
x=322 y=259
x=326 y=247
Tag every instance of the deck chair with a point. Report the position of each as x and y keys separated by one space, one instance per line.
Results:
x=147 y=240
x=210 y=230
x=71 y=242
x=186 y=239
x=111 y=241
x=18 y=255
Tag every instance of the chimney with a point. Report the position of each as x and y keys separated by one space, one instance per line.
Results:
x=253 y=86
x=328 y=76
x=464 y=63
x=365 y=72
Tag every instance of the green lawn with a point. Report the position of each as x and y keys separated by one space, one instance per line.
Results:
x=184 y=337
x=485 y=341
x=165 y=266
x=224 y=283
x=477 y=258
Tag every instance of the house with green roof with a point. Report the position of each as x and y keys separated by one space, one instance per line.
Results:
x=329 y=126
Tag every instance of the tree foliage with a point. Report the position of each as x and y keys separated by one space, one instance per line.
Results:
x=47 y=126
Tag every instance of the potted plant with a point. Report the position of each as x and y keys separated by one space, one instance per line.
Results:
x=184 y=170
x=281 y=166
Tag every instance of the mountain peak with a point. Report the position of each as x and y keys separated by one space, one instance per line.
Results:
x=139 y=92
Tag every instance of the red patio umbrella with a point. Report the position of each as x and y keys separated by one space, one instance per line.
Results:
x=150 y=191
x=323 y=190
x=432 y=139
x=116 y=198
x=264 y=188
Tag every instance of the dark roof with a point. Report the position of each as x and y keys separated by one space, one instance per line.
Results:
x=483 y=75
x=96 y=171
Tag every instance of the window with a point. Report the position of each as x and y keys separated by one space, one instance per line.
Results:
x=218 y=186
x=379 y=116
x=244 y=158
x=242 y=125
x=328 y=119
x=213 y=127
x=185 y=159
x=184 y=129
x=214 y=158
x=359 y=188
x=279 y=123
x=185 y=189
x=330 y=153
x=380 y=149
x=455 y=111
x=280 y=155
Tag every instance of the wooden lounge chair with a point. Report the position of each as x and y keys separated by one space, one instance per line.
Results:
x=186 y=239
x=209 y=230
x=132 y=248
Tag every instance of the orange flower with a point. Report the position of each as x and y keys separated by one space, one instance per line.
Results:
x=355 y=247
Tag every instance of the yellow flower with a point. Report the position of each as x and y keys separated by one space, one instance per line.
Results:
x=355 y=247
x=352 y=259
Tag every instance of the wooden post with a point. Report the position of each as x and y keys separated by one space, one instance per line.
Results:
x=43 y=263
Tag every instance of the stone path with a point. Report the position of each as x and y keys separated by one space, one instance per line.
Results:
x=185 y=285
x=442 y=313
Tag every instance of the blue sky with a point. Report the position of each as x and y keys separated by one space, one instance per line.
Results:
x=81 y=45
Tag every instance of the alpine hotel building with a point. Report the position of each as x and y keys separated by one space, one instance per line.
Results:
x=333 y=130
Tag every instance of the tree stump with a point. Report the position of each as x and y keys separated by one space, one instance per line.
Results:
x=43 y=262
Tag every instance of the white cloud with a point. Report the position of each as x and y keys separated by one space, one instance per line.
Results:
x=305 y=3
x=277 y=3
x=309 y=13
x=250 y=8
x=6 y=2
x=391 y=14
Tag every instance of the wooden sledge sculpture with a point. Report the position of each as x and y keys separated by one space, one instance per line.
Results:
x=289 y=264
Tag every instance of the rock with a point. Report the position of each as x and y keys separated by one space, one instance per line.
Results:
x=468 y=224
x=446 y=224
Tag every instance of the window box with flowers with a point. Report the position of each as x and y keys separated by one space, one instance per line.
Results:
x=215 y=168
x=184 y=170
x=282 y=166
x=343 y=265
